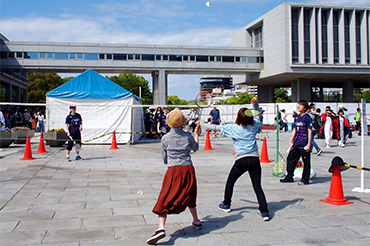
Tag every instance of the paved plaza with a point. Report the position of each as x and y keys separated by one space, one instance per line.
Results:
x=106 y=199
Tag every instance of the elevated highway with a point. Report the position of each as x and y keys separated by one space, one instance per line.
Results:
x=157 y=60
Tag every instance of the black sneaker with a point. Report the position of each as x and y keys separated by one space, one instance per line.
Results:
x=303 y=183
x=287 y=180
x=159 y=234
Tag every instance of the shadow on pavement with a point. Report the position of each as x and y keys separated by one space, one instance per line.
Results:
x=209 y=223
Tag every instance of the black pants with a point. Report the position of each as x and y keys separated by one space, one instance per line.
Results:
x=253 y=166
x=77 y=137
x=292 y=159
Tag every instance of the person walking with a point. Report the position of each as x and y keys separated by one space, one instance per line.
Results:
x=73 y=128
x=316 y=125
x=358 y=121
x=300 y=145
x=243 y=133
x=328 y=126
x=284 y=121
x=179 y=187
x=343 y=126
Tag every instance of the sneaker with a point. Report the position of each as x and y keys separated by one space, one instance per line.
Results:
x=224 y=208
x=319 y=152
x=197 y=226
x=68 y=159
x=302 y=183
x=158 y=234
x=287 y=180
x=265 y=216
x=78 y=158
x=328 y=146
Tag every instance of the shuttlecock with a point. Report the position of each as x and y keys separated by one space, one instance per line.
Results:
x=207 y=4
x=140 y=192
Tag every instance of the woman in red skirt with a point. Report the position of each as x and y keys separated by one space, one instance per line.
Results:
x=179 y=188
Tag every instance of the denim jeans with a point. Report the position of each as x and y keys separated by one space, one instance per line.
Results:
x=313 y=143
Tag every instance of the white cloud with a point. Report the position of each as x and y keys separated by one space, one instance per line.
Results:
x=85 y=30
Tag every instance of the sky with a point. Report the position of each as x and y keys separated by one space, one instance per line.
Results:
x=165 y=22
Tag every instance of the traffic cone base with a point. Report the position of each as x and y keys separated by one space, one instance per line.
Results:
x=336 y=196
x=114 y=141
x=264 y=155
x=41 y=149
x=27 y=151
x=208 y=142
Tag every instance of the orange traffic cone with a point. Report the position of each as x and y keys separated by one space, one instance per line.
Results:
x=41 y=149
x=208 y=142
x=114 y=141
x=336 y=196
x=264 y=155
x=27 y=151
x=234 y=153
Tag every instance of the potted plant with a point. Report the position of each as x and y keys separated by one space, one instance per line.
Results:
x=6 y=137
x=21 y=134
x=55 y=137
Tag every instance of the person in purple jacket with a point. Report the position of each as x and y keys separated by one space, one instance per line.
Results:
x=300 y=145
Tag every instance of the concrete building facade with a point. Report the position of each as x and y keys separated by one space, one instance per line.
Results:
x=309 y=47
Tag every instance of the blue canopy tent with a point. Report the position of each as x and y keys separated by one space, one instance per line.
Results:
x=103 y=105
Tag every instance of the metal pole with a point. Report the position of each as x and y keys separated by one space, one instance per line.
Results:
x=277 y=138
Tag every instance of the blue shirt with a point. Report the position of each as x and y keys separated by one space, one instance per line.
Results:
x=301 y=125
x=74 y=122
x=244 y=138
x=215 y=116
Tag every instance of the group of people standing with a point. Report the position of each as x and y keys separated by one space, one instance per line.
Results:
x=33 y=118
x=155 y=122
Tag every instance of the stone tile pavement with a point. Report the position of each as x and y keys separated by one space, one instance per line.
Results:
x=107 y=198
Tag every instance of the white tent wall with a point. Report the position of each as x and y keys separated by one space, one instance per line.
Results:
x=99 y=116
x=138 y=120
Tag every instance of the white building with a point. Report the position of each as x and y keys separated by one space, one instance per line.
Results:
x=309 y=47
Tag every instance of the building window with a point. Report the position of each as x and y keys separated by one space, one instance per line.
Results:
x=324 y=35
x=158 y=57
x=165 y=57
x=61 y=56
x=336 y=16
x=31 y=55
x=119 y=57
x=101 y=56
x=175 y=57
x=317 y=36
x=228 y=59
x=19 y=54
x=258 y=38
x=130 y=56
x=307 y=42
x=295 y=17
x=202 y=58
x=358 y=37
x=91 y=56
x=347 y=52
x=148 y=57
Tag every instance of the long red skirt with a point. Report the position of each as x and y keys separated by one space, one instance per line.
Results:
x=179 y=190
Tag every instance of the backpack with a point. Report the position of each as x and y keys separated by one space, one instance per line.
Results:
x=317 y=122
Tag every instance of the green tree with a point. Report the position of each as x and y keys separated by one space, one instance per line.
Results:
x=241 y=98
x=366 y=96
x=132 y=82
x=281 y=96
x=41 y=83
x=175 y=100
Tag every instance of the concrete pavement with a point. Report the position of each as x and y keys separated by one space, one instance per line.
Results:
x=107 y=198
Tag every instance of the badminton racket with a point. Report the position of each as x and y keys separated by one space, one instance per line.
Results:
x=203 y=100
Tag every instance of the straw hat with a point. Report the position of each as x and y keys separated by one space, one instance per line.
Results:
x=176 y=119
